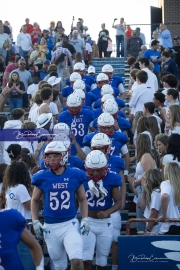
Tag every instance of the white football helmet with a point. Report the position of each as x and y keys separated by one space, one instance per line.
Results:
x=101 y=141
x=79 y=84
x=102 y=77
x=74 y=104
x=106 y=124
x=55 y=147
x=106 y=97
x=107 y=89
x=75 y=76
x=62 y=128
x=110 y=106
x=64 y=139
x=81 y=94
x=96 y=161
x=107 y=68
x=77 y=67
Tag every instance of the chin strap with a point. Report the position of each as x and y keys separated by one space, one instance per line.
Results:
x=97 y=188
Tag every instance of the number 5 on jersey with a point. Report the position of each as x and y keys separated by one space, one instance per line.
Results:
x=78 y=129
x=55 y=202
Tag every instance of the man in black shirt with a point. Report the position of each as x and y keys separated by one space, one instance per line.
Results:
x=103 y=41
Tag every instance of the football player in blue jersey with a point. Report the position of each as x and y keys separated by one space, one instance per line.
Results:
x=110 y=106
x=12 y=230
x=92 y=72
x=101 y=80
x=77 y=118
x=106 y=125
x=59 y=186
x=66 y=91
x=102 y=189
x=107 y=89
x=86 y=78
x=77 y=68
x=90 y=97
x=98 y=111
x=81 y=94
x=116 y=164
x=114 y=81
x=73 y=161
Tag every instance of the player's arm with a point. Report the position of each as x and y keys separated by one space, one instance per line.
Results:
x=82 y=201
x=80 y=154
x=116 y=196
x=37 y=193
x=28 y=239
x=123 y=191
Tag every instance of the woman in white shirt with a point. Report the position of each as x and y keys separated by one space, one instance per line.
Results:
x=17 y=188
x=150 y=201
x=16 y=194
x=173 y=151
x=170 y=199
x=146 y=161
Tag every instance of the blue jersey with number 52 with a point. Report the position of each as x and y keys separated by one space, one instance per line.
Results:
x=78 y=124
x=111 y=180
x=59 y=192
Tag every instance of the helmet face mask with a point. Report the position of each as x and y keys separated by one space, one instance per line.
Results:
x=74 y=110
x=96 y=165
x=101 y=83
x=74 y=104
x=54 y=161
x=96 y=174
x=108 y=130
x=103 y=148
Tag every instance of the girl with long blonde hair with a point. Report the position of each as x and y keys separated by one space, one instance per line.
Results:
x=170 y=199
x=150 y=201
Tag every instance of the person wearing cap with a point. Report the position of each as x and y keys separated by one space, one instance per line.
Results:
x=54 y=81
x=120 y=31
x=24 y=42
x=133 y=45
x=92 y=73
x=141 y=35
x=44 y=71
x=44 y=120
x=49 y=42
x=176 y=47
x=78 y=44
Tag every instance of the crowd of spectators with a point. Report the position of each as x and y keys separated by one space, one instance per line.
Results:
x=83 y=119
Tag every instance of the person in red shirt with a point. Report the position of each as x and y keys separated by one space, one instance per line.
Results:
x=36 y=33
x=29 y=26
x=128 y=32
x=9 y=69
